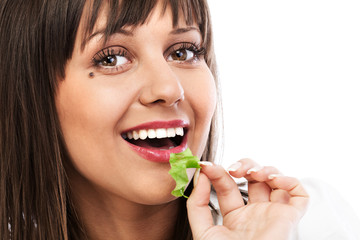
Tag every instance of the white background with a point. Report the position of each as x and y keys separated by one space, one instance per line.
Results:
x=290 y=73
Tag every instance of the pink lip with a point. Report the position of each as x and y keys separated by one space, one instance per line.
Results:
x=159 y=124
x=154 y=154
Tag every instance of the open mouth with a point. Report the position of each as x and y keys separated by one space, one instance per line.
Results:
x=159 y=139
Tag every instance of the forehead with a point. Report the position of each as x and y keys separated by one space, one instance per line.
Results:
x=114 y=16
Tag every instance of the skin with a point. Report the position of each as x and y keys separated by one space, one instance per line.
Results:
x=113 y=187
x=276 y=203
x=107 y=176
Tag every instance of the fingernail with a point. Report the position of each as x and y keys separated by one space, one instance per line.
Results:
x=254 y=169
x=205 y=163
x=234 y=167
x=196 y=176
x=272 y=176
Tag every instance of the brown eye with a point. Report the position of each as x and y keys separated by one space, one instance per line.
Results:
x=181 y=55
x=113 y=61
x=109 y=61
x=115 y=57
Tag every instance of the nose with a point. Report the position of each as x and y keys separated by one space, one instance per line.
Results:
x=162 y=85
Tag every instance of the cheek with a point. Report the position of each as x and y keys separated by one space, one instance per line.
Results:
x=201 y=93
x=80 y=108
x=89 y=111
x=83 y=102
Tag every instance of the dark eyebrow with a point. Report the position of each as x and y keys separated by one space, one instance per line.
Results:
x=129 y=33
x=184 y=30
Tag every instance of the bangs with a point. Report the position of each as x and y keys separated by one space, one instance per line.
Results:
x=132 y=13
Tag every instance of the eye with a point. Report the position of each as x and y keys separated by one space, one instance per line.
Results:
x=113 y=59
x=181 y=55
x=184 y=52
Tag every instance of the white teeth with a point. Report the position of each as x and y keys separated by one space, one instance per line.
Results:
x=135 y=135
x=155 y=133
x=171 y=132
x=129 y=135
x=151 y=133
x=161 y=133
x=143 y=134
x=179 y=131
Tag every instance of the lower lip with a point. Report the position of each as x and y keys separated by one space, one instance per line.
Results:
x=155 y=155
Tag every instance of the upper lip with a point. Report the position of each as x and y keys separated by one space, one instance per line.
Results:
x=158 y=124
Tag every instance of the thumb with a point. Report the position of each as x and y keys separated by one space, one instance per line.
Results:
x=199 y=213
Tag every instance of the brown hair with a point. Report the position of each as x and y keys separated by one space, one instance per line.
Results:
x=37 y=39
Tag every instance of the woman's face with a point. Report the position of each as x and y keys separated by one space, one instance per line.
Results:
x=152 y=82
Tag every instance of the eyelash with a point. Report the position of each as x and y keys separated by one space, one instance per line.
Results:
x=118 y=51
x=114 y=51
x=195 y=48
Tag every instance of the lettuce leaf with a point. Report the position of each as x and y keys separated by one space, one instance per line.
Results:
x=179 y=162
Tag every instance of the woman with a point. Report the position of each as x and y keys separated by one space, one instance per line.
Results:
x=95 y=95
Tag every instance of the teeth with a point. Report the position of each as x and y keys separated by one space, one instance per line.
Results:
x=151 y=133
x=143 y=134
x=179 y=131
x=155 y=133
x=170 y=132
x=161 y=133
x=135 y=135
x=129 y=135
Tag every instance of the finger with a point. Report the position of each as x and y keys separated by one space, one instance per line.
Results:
x=299 y=198
x=240 y=168
x=261 y=174
x=259 y=192
x=199 y=213
x=228 y=194
x=280 y=196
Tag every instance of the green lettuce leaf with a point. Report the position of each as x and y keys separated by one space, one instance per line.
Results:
x=179 y=162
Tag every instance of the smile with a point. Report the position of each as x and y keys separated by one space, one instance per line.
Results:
x=155 y=141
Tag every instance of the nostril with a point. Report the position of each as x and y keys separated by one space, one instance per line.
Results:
x=159 y=101
x=162 y=91
x=167 y=103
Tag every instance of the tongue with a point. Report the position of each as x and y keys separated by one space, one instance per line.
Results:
x=162 y=143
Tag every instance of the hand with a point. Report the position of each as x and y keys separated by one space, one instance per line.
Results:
x=276 y=203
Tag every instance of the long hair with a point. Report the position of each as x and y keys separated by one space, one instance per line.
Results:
x=36 y=41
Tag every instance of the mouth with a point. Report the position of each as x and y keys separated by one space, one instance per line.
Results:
x=156 y=144
x=159 y=139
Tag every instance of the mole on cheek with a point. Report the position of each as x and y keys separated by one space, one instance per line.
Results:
x=91 y=75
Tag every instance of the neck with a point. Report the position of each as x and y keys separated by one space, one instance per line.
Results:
x=154 y=222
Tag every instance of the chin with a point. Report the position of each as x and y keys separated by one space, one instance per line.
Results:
x=161 y=194
x=155 y=198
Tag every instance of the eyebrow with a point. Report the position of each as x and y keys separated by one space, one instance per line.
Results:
x=184 y=30
x=129 y=33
